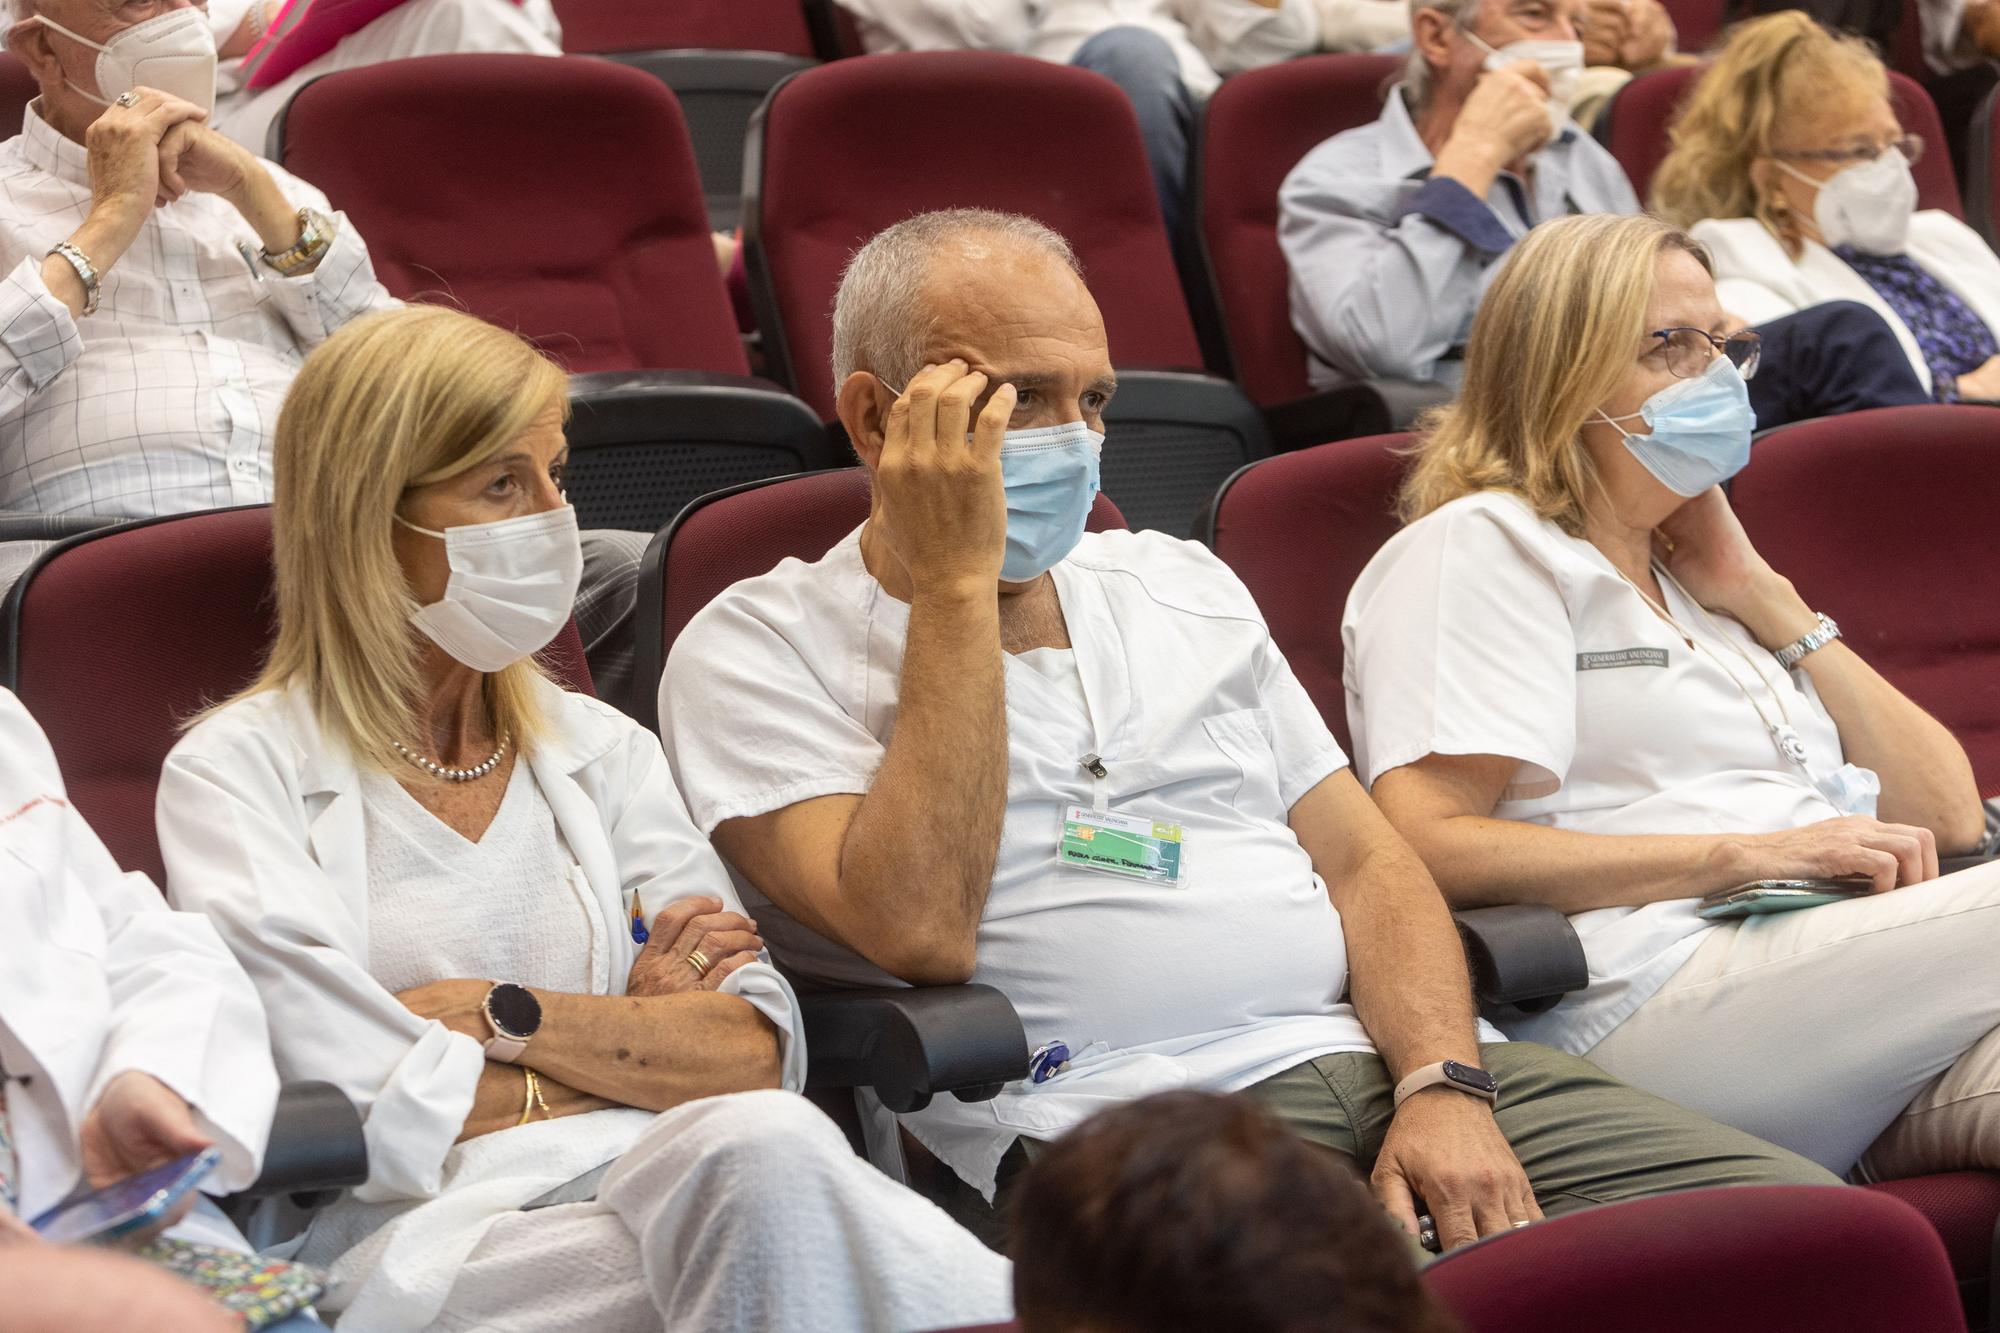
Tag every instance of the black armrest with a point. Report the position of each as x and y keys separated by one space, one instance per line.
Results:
x=315 y=1143
x=1374 y=407
x=910 y=1043
x=21 y=525
x=1523 y=955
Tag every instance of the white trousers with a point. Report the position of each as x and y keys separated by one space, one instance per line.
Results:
x=1828 y=1030
x=417 y=28
x=733 y=1213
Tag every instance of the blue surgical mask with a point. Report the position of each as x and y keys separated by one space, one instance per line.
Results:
x=1051 y=478
x=1701 y=430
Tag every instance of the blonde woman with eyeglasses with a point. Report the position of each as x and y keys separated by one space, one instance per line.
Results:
x=1789 y=164
x=1573 y=681
x=476 y=904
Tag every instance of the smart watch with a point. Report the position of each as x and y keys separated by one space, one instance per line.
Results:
x=1468 y=1079
x=515 y=1016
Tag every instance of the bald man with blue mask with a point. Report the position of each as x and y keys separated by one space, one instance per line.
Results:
x=977 y=741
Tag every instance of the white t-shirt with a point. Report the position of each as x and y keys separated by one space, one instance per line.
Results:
x=1482 y=629
x=784 y=689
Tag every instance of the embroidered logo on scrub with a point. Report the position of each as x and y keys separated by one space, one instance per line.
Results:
x=1622 y=657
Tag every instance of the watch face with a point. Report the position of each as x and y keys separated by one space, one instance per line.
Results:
x=1468 y=1077
x=514 y=1010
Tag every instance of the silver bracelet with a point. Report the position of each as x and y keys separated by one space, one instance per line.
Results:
x=1821 y=635
x=86 y=272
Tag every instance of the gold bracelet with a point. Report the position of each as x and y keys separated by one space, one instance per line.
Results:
x=528 y=1102
x=535 y=1090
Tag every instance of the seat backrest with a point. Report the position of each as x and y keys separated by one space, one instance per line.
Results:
x=554 y=196
x=840 y=152
x=18 y=87
x=1761 y=1259
x=592 y=26
x=718 y=91
x=1696 y=22
x=118 y=637
x=1170 y=439
x=1298 y=529
x=1253 y=132
x=1982 y=181
x=741 y=533
x=1635 y=127
x=1884 y=520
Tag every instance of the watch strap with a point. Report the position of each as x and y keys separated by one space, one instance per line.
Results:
x=1817 y=638
x=86 y=273
x=1433 y=1075
x=315 y=235
x=505 y=1050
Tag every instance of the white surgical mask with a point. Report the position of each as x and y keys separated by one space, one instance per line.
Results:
x=1867 y=205
x=1561 y=61
x=173 y=52
x=512 y=587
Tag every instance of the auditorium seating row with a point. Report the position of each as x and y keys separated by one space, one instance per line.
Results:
x=1882 y=518
x=563 y=198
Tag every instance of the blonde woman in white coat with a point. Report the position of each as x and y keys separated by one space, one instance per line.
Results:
x=476 y=903
x=1790 y=166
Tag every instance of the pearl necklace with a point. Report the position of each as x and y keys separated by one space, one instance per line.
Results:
x=448 y=773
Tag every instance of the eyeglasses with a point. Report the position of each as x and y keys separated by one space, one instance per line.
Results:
x=1689 y=351
x=1911 y=146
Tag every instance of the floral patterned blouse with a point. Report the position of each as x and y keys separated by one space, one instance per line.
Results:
x=1953 y=340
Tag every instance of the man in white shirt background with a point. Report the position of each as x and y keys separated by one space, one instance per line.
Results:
x=1167 y=55
x=974 y=742
x=162 y=285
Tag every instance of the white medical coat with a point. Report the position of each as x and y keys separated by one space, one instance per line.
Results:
x=100 y=977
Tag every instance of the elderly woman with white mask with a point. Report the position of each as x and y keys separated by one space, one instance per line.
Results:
x=1573 y=681
x=1789 y=164
x=475 y=902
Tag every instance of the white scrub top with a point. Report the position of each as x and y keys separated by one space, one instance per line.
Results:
x=784 y=689
x=1483 y=629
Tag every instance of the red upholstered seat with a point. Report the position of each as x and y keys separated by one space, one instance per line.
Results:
x=1963 y=1207
x=1635 y=123
x=644 y=25
x=1982 y=169
x=17 y=88
x=1254 y=131
x=1298 y=529
x=841 y=152
x=740 y=533
x=118 y=637
x=1885 y=521
x=555 y=197
x=1791 y=1259
x=1696 y=22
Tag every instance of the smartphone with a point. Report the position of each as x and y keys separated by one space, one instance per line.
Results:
x=1763 y=896
x=127 y=1205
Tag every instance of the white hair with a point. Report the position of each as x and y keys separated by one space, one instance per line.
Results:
x=1416 y=73
x=879 y=320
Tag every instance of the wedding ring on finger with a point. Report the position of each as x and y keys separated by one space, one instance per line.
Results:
x=699 y=962
x=126 y=99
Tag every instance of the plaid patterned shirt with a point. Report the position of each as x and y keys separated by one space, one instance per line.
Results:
x=165 y=400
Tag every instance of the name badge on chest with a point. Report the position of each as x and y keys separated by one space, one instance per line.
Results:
x=1131 y=846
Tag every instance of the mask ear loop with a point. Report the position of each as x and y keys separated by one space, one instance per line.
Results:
x=80 y=40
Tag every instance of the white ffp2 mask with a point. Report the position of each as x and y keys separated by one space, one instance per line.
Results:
x=513 y=584
x=1867 y=205
x=173 y=52
x=1561 y=61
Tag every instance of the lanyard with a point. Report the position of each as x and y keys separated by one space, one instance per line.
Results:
x=1782 y=733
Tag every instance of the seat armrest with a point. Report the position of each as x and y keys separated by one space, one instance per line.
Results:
x=1525 y=955
x=20 y=525
x=1373 y=407
x=315 y=1144
x=909 y=1043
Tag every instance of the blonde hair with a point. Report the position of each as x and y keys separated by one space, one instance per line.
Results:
x=394 y=400
x=1773 y=70
x=1554 y=335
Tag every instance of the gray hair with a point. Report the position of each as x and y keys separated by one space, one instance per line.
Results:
x=879 y=320
x=1417 y=74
